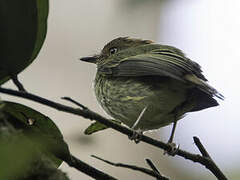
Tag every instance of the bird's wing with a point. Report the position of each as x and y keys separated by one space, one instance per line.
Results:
x=160 y=62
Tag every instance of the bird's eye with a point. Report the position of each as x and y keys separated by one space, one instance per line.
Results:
x=113 y=50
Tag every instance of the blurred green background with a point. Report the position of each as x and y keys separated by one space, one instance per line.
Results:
x=208 y=31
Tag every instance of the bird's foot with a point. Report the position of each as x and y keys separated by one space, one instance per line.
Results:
x=172 y=151
x=136 y=136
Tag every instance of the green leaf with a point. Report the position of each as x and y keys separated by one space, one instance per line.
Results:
x=43 y=8
x=16 y=154
x=97 y=126
x=40 y=129
x=22 y=33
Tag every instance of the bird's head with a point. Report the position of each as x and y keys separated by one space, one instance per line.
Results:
x=115 y=47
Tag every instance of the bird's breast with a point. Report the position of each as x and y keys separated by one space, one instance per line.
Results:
x=124 y=98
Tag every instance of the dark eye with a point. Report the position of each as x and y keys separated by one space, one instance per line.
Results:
x=113 y=50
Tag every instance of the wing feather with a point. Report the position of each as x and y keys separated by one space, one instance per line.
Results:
x=160 y=62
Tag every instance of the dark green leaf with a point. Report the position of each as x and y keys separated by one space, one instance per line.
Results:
x=22 y=33
x=16 y=153
x=39 y=129
x=97 y=126
x=42 y=8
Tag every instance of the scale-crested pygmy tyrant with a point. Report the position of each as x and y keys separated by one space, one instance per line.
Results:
x=147 y=86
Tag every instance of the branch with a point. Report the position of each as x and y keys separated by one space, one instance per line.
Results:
x=153 y=167
x=210 y=164
x=88 y=114
x=87 y=169
x=18 y=83
x=136 y=168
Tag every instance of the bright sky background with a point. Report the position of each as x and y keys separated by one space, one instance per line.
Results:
x=209 y=33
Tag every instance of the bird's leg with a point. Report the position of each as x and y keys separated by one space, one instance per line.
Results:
x=172 y=151
x=170 y=140
x=18 y=83
x=136 y=136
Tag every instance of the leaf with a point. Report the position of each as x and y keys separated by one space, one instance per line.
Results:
x=97 y=126
x=40 y=129
x=22 y=33
x=16 y=152
x=43 y=8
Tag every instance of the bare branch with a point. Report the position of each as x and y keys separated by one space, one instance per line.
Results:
x=210 y=164
x=136 y=168
x=153 y=167
x=74 y=102
x=87 y=169
x=201 y=147
x=18 y=83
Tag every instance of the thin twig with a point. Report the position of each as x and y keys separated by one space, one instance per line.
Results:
x=74 y=102
x=201 y=147
x=18 y=83
x=136 y=168
x=153 y=167
x=87 y=169
x=210 y=164
x=88 y=114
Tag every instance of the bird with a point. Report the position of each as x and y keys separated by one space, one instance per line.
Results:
x=146 y=85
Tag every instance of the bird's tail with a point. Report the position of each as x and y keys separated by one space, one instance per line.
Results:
x=204 y=86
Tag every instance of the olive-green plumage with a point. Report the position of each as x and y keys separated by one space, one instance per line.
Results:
x=134 y=74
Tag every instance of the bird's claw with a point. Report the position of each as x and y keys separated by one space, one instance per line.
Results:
x=136 y=136
x=172 y=151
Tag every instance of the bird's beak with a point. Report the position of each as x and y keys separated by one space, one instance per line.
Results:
x=90 y=59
